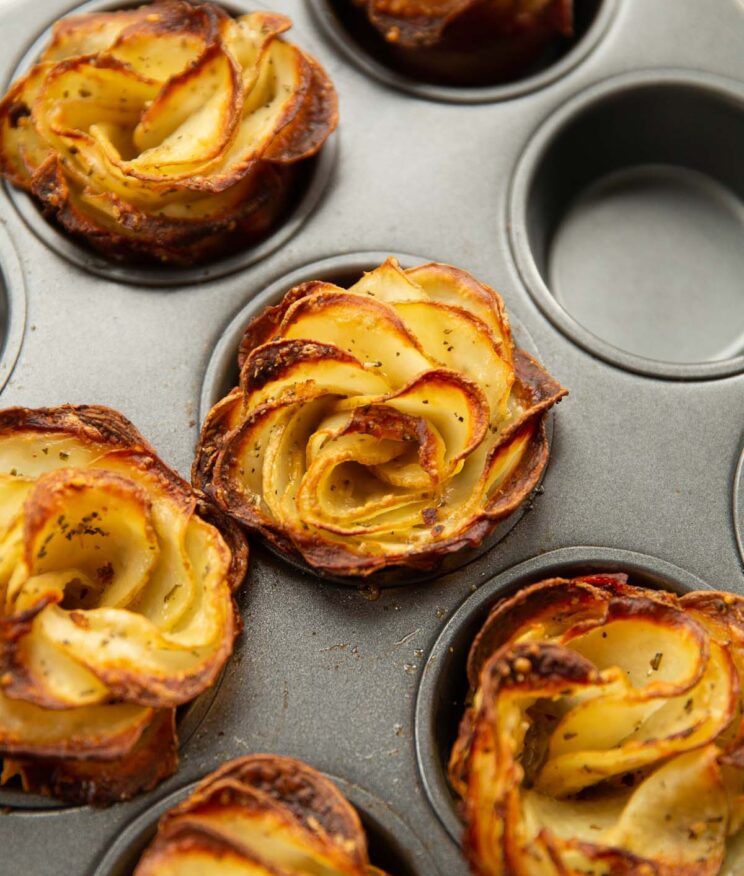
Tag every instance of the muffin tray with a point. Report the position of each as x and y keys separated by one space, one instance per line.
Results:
x=602 y=196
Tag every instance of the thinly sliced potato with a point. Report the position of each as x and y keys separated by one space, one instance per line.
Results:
x=168 y=132
x=385 y=425
x=116 y=602
x=261 y=815
x=604 y=733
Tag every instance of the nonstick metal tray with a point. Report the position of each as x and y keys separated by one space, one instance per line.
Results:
x=602 y=196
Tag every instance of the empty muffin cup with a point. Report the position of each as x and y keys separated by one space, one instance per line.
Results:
x=627 y=221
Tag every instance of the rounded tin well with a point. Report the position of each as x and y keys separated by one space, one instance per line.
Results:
x=347 y=27
x=626 y=222
x=440 y=701
x=313 y=177
x=392 y=844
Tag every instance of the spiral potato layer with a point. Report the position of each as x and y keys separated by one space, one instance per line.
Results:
x=169 y=131
x=115 y=602
x=260 y=815
x=388 y=424
x=606 y=733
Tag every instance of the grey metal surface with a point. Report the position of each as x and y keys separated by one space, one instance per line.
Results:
x=638 y=462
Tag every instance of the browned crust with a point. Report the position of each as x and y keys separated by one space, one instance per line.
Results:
x=499 y=664
x=153 y=758
x=99 y=424
x=307 y=794
x=202 y=20
x=415 y=23
x=195 y=839
x=262 y=328
x=315 y=119
x=90 y=423
x=290 y=790
x=555 y=598
x=123 y=231
x=281 y=357
x=161 y=17
x=263 y=354
x=84 y=746
x=141 y=235
x=221 y=419
x=725 y=608
x=56 y=769
x=235 y=540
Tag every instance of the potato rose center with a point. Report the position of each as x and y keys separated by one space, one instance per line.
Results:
x=389 y=424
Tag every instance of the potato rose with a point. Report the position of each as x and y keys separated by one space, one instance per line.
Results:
x=258 y=816
x=606 y=733
x=170 y=132
x=423 y=22
x=386 y=425
x=116 y=603
x=464 y=42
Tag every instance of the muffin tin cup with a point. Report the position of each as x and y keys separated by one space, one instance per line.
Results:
x=440 y=701
x=625 y=212
x=315 y=175
x=644 y=453
x=222 y=375
x=392 y=844
x=358 y=42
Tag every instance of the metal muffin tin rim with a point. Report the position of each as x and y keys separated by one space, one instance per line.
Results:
x=134 y=831
x=15 y=305
x=225 y=349
x=505 y=583
x=532 y=152
x=577 y=54
x=320 y=169
x=738 y=505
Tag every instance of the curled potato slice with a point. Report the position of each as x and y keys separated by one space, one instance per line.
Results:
x=385 y=425
x=171 y=132
x=605 y=732
x=260 y=815
x=116 y=603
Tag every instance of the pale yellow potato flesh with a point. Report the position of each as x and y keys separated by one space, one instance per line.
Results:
x=390 y=423
x=261 y=815
x=115 y=595
x=605 y=740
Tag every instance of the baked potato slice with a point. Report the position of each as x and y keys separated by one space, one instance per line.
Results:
x=170 y=132
x=116 y=602
x=603 y=733
x=379 y=427
x=261 y=815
